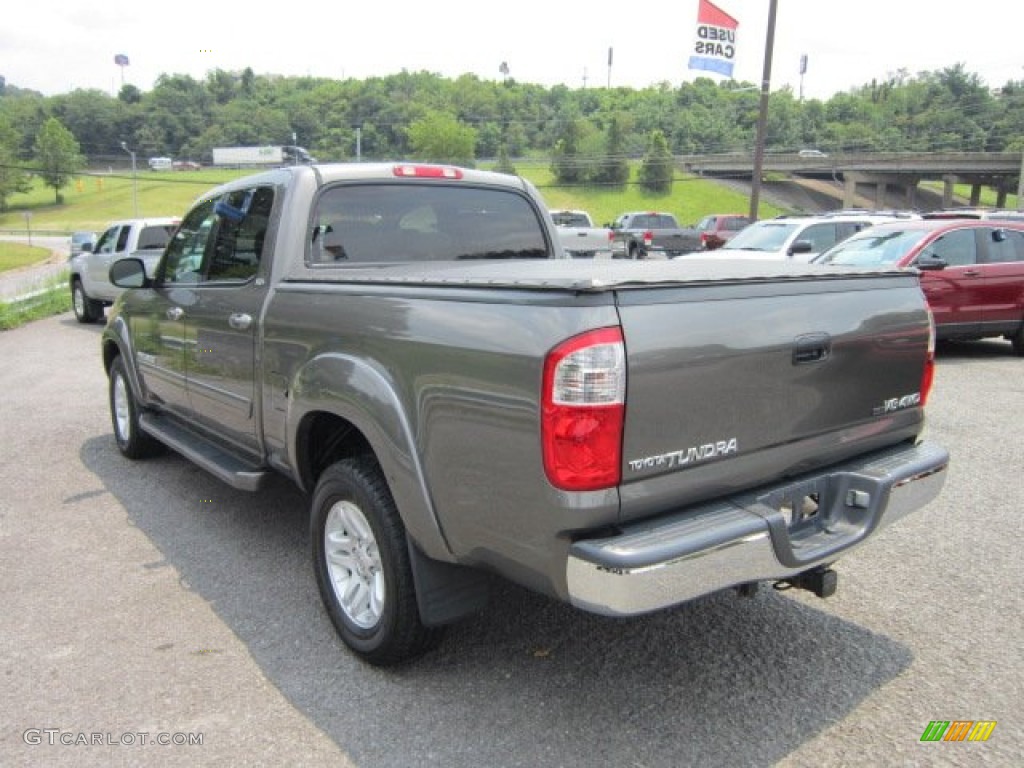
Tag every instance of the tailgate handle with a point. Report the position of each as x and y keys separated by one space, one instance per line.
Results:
x=812 y=348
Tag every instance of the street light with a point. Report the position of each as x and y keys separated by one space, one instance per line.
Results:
x=135 y=180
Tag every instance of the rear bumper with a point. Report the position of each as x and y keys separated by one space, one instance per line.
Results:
x=769 y=534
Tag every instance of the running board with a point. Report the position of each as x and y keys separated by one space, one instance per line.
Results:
x=223 y=465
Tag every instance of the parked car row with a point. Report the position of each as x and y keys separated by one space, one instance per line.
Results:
x=972 y=271
x=971 y=262
x=167 y=164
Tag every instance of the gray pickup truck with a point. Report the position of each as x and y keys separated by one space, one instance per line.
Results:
x=652 y=235
x=410 y=345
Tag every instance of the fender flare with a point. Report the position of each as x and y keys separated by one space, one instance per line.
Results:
x=365 y=396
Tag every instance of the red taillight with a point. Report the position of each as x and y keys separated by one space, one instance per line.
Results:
x=583 y=410
x=427 y=171
x=648 y=238
x=928 y=376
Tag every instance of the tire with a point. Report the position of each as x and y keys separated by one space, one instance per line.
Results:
x=633 y=251
x=361 y=560
x=1018 y=341
x=86 y=310
x=131 y=441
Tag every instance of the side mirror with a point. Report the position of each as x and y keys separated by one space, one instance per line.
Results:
x=927 y=262
x=129 y=273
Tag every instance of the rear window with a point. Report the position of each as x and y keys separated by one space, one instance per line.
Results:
x=569 y=219
x=363 y=223
x=155 y=236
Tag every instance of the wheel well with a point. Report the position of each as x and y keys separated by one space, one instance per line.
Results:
x=110 y=351
x=322 y=440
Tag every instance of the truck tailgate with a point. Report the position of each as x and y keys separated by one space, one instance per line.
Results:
x=735 y=385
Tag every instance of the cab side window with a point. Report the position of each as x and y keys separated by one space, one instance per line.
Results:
x=187 y=250
x=221 y=240
x=1004 y=245
x=106 y=242
x=122 y=239
x=957 y=248
x=241 y=235
x=820 y=236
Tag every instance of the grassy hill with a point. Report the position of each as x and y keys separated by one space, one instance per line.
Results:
x=94 y=200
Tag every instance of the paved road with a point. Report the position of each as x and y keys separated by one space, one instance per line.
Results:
x=19 y=282
x=150 y=598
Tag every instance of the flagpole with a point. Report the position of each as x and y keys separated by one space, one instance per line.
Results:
x=762 y=115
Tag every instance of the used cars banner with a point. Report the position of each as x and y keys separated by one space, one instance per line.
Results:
x=714 y=48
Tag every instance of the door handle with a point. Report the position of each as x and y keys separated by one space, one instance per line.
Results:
x=175 y=313
x=240 y=321
x=971 y=273
x=812 y=348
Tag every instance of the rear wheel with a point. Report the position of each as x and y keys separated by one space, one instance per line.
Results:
x=361 y=559
x=86 y=310
x=1018 y=340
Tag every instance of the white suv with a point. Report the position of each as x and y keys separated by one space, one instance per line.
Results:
x=797 y=239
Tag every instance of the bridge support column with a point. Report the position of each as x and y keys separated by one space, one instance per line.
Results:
x=911 y=195
x=849 y=191
x=975 y=195
x=947 y=190
x=1001 y=198
x=880 y=189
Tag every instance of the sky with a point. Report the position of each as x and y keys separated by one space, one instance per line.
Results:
x=57 y=46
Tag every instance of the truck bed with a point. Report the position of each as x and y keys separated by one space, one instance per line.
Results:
x=739 y=374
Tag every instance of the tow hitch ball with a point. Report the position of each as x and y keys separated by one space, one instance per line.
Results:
x=822 y=581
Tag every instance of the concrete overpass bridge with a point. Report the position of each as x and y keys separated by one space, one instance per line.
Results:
x=1003 y=171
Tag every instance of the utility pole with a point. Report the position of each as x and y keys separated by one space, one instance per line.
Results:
x=762 y=115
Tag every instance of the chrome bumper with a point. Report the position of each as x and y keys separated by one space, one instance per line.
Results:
x=769 y=534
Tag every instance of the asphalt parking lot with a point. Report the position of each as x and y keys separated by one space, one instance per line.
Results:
x=148 y=600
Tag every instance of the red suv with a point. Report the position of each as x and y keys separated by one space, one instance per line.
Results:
x=972 y=271
x=717 y=228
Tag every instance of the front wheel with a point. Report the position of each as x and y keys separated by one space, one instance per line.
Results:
x=124 y=413
x=86 y=310
x=361 y=560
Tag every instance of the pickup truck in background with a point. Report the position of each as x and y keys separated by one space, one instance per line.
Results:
x=410 y=346
x=89 y=281
x=652 y=235
x=579 y=237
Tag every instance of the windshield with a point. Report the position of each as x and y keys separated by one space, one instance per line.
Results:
x=763 y=236
x=873 y=248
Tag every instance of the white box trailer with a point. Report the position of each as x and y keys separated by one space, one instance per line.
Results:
x=248 y=155
x=266 y=155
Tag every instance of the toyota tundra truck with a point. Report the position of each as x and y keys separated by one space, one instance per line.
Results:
x=411 y=346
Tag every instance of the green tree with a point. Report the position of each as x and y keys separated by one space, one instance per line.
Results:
x=656 y=170
x=12 y=178
x=613 y=169
x=504 y=164
x=565 y=160
x=58 y=156
x=440 y=138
